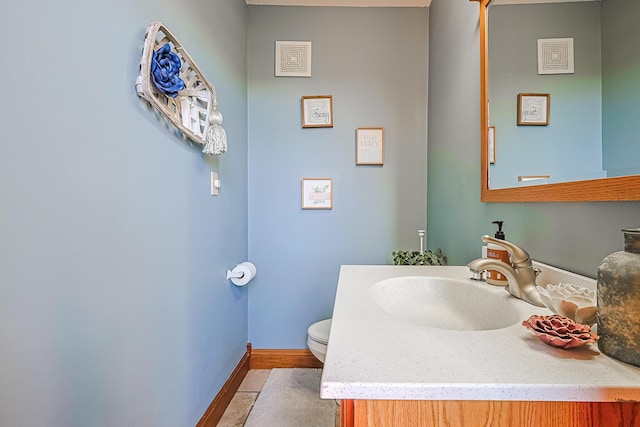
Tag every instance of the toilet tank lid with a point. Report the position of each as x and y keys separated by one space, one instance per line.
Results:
x=319 y=331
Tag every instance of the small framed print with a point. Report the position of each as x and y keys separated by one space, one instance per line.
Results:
x=317 y=111
x=555 y=56
x=533 y=109
x=370 y=146
x=293 y=59
x=491 y=144
x=317 y=193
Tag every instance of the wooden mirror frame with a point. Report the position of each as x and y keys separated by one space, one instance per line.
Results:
x=625 y=188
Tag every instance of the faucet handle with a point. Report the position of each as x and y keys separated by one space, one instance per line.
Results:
x=476 y=275
x=517 y=254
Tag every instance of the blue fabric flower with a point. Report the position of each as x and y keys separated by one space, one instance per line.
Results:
x=165 y=71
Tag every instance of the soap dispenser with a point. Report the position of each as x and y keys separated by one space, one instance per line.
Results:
x=494 y=277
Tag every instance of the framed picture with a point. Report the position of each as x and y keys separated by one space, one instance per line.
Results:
x=293 y=59
x=317 y=111
x=555 y=56
x=370 y=146
x=317 y=193
x=491 y=144
x=533 y=109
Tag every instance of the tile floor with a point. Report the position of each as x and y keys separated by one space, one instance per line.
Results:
x=238 y=410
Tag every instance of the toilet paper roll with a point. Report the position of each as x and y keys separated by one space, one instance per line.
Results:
x=242 y=273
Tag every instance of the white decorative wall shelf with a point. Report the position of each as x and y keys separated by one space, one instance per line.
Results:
x=191 y=106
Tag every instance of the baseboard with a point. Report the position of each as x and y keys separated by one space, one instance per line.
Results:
x=270 y=359
x=254 y=359
x=215 y=411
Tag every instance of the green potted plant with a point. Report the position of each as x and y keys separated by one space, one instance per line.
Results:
x=419 y=258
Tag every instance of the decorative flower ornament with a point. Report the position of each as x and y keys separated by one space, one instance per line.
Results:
x=165 y=71
x=560 y=331
x=575 y=302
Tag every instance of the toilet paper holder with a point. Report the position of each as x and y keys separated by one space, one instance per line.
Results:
x=242 y=273
x=235 y=274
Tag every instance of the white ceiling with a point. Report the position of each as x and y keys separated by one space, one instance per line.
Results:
x=352 y=3
x=380 y=3
x=534 y=1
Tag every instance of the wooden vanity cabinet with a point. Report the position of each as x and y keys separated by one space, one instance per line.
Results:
x=445 y=413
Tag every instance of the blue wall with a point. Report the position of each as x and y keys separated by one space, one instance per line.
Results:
x=114 y=308
x=574 y=236
x=620 y=89
x=570 y=147
x=373 y=61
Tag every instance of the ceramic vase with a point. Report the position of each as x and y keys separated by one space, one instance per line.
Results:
x=618 y=301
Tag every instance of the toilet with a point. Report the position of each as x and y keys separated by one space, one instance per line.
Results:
x=318 y=337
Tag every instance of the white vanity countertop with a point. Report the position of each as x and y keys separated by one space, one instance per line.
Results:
x=372 y=355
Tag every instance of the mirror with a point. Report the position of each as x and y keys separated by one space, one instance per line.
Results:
x=591 y=189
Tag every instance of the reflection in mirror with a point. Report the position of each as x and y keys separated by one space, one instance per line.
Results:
x=584 y=146
x=530 y=49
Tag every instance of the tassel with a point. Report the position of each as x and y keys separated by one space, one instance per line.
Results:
x=216 y=140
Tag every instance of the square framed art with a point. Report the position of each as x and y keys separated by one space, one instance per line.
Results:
x=555 y=56
x=317 y=193
x=533 y=109
x=293 y=59
x=317 y=111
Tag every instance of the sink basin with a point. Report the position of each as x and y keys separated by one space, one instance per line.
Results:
x=446 y=303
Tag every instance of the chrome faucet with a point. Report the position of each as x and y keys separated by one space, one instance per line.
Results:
x=520 y=275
